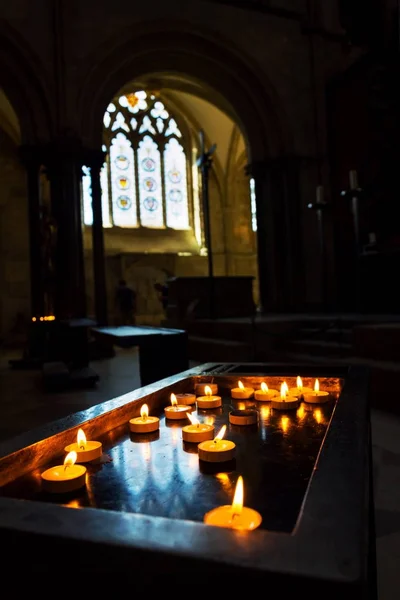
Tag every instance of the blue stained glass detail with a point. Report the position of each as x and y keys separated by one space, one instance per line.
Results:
x=121 y=162
x=123 y=183
x=174 y=176
x=150 y=203
x=175 y=195
x=149 y=184
x=124 y=202
x=148 y=164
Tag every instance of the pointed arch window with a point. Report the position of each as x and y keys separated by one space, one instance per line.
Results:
x=145 y=179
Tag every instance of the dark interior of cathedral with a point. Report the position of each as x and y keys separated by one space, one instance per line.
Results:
x=191 y=194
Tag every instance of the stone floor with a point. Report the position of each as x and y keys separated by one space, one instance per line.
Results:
x=24 y=406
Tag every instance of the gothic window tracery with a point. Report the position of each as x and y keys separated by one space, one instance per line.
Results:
x=144 y=178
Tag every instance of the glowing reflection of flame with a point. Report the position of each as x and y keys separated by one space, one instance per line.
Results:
x=301 y=413
x=318 y=415
x=285 y=424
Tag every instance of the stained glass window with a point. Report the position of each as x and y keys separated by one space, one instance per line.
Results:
x=176 y=185
x=144 y=180
x=253 y=205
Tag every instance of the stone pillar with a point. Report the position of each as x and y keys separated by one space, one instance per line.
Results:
x=95 y=161
x=64 y=166
x=278 y=233
x=30 y=158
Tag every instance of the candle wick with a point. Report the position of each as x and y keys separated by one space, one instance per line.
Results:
x=82 y=447
x=198 y=425
x=216 y=440
x=65 y=466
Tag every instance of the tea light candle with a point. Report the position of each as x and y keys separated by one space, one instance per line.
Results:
x=144 y=423
x=86 y=451
x=197 y=432
x=317 y=396
x=235 y=516
x=176 y=411
x=218 y=449
x=299 y=390
x=64 y=478
x=208 y=401
x=243 y=417
x=264 y=394
x=200 y=388
x=187 y=399
x=284 y=401
x=242 y=392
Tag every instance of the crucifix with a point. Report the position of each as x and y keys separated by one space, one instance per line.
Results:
x=204 y=162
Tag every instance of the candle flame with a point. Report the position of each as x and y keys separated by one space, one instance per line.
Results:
x=237 y=504
x=220 y=434
x=81 y=438
x=192 y=419
x=240 y=384
x=144 y=411
x=299 y=383
x=285 y=386
x=208 y=390
x=174 y=401
x=264 y=387
x=316 y=386
x=284 y=391
x=70 y=459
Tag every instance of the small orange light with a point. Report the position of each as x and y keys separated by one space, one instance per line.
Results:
x=316 y=386
x=299 y=383
x=70 y=459
x=174 y=401
x=144 y=411
x=208 y=390
x=264 y=387
x=220 y=434
x=240 y=384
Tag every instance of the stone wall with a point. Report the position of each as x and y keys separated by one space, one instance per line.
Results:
x=14 y=243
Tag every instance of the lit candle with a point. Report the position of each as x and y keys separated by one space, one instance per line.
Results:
x=187 y=399
x=317 y=396
x=218 y=449
x=144 y=423
x=176 y=411
x=299 y=390
x=242 y=392
x=284 y=401
x=264 y=394
x=64 y=478
x=86 y=451
x=208 y=401
x=235 y=516
x=243 y=417
x=197 y=432
x=200 y=388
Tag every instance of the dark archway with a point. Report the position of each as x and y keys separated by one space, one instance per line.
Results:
x=173 y=49
x=22 y=80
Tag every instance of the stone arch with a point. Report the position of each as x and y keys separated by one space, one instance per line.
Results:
x=21 y=74
x=203 y=57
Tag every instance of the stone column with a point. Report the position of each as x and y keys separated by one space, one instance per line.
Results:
x=278 y=233
x=64 y=166
x=95 y=161
x=30 y=158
